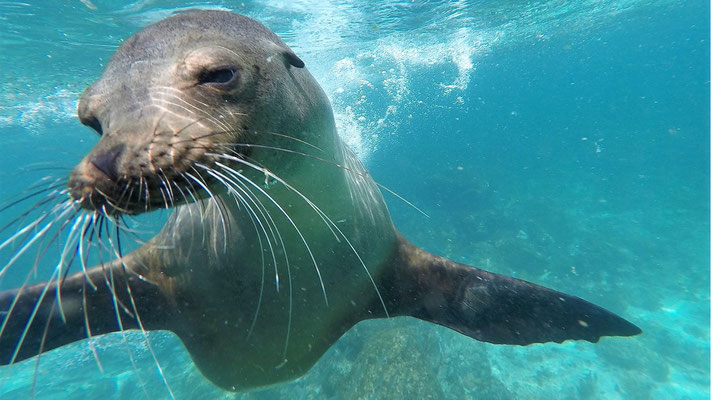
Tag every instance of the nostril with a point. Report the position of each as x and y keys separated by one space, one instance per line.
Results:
x=108 y=161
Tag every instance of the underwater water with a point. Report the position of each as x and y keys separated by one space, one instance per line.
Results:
x=564 y=143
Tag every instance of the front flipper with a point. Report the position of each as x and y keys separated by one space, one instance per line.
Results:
x=491 y=307
x=31 y=322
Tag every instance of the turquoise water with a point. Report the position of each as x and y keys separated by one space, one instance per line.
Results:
x=565 y=143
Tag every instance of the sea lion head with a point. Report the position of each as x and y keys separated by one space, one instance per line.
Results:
x=181 y=95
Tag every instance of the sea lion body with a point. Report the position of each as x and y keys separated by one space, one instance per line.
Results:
x=280 y=240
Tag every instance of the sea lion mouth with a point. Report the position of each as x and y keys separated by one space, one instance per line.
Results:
x=98 y=188
x=119 y=177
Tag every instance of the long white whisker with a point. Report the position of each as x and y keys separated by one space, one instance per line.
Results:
x=88 y=221
x=191 y=110
x=166 y=183
x=190 y=214
x=234 y=188
x=67 y=208
x=271 y=224
x=318 y=210
x=39 y=355
x=190 y=191
x=361 y=174
x=117 y=304
x=117 y=251
x=296 y=140
x=31 y=318
x=112 y=204
x=49 y=197
x=69 y=243
x=217 y=207
x=89 y=335
x=30 y=193
x=32 y=225
x=237 y=174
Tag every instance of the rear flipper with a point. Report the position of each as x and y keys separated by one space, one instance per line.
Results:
x=491 y=307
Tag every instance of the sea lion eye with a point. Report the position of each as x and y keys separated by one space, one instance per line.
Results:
x=219 y=76
x=92 y=122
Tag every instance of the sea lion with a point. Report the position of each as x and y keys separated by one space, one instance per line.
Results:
x=280 y=241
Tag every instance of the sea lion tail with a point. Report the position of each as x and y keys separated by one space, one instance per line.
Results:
x=494 y=308
x=31 y=321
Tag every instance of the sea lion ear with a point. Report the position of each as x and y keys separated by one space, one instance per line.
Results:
x=292 y=59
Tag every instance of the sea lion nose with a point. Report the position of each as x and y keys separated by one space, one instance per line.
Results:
x=108 y=161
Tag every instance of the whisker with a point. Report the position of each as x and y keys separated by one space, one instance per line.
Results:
x=188 y=125
x=233 y=188
x=50 y=198
x=88 y=221
x=165 y=198
x=41 y=349
x=204 y=136
x=271 y=224
x=119 y=254
x=296 y=140
x=200 y=204
x=33 y=238
x=291 y=221
x=361 y=174
x=111 y=203
x=31 y=318
x=108 y=277
x=262 y=146
x=125 y=193
x=190 y=214
x=167 y=183
x=288 y=268
x=141 y=181
x=148 y=195
x=401 y=198
x=89 y=335
x=110 y=282
x=68 y=244
x=194 y=109
x=315 y=208
x=12 y=202
x=217 y=206
x=269 y=174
